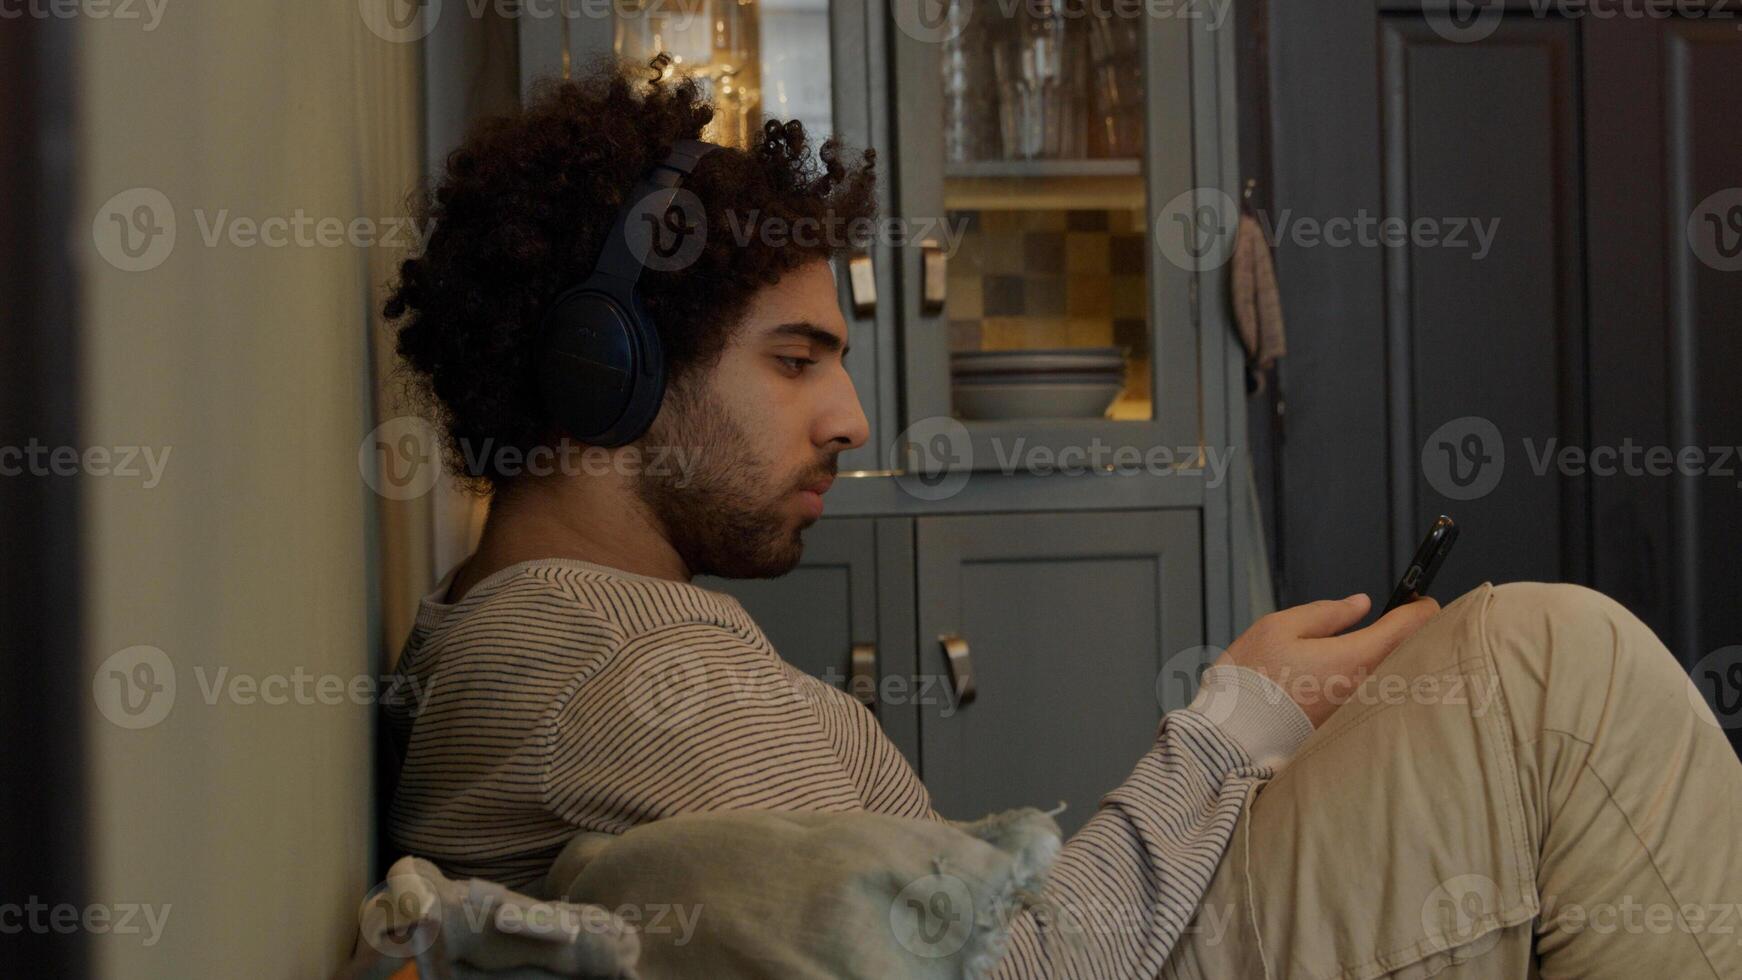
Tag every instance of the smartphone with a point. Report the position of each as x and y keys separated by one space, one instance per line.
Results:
x=1426 y=563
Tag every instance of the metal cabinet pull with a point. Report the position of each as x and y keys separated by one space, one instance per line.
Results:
x=934 y=276
x=862 y=677
x=961 y=667
x=862 y=282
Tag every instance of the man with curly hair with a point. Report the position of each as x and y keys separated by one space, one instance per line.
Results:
x=1562 y=763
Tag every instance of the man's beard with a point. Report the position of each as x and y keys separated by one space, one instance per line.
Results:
x=720 y=515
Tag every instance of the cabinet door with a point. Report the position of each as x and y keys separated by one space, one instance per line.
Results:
x=853 y=589
x=1049 y=157
x=1068 y=619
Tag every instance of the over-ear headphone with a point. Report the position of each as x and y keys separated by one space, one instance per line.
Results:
x=602 y=374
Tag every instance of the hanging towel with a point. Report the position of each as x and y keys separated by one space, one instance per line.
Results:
x=1257 y=299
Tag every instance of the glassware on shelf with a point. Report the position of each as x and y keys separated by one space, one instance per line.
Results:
x=1036 y=82
x=1116 y=91
x=1039 y=64
x=971 y=102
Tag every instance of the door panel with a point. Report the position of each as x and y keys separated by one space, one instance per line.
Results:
x=1666 y=344
x=1069 y=619
x=1705 y=329
x=1048 y=207
x=1488 y=329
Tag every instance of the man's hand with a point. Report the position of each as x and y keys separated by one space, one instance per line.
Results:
x=1300 y=650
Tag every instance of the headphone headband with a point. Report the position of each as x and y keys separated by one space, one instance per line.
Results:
x=652 y=195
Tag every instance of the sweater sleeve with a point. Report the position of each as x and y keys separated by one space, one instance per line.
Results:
x=1126 y=885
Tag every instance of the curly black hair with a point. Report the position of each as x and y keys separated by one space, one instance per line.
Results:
x=522 y=212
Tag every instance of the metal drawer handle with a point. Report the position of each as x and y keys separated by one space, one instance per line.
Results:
x=862 y=281
x=862 y=677
x=961 y=667
x=935 y=263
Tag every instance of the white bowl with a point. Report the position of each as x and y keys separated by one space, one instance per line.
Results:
x=1035 y=401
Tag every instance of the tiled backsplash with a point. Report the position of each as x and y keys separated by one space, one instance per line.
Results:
x=1057 y=278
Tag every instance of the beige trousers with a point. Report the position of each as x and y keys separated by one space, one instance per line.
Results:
x=1529 y=787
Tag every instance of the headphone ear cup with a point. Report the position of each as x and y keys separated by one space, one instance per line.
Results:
x=602 y=376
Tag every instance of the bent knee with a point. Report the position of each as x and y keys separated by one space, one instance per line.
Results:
x=1577 y=642
x=1556 y=603
x=1561 y=617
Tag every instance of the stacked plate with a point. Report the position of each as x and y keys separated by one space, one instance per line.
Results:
x=1067 y=383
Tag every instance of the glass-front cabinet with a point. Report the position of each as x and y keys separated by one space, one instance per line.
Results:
x=1046 y=295
x=1045 y=132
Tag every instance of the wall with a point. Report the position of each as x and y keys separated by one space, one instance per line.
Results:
x=252 y=552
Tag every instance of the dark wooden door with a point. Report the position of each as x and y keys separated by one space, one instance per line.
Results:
x=1566 y=389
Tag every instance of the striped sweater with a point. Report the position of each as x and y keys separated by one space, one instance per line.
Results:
x=558 y=695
